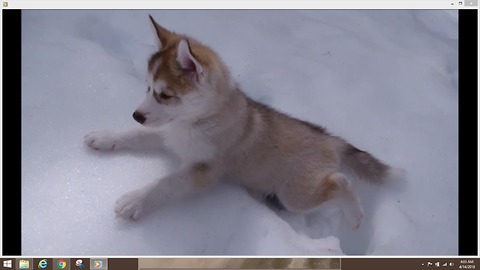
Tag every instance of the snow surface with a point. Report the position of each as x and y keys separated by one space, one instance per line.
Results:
x=384 y=80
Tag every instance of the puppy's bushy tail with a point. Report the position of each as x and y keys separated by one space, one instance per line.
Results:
x=365 y=165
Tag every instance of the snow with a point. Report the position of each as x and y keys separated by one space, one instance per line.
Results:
x=384 y=80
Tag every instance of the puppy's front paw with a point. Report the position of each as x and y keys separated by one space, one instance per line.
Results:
x=101 y=140
x=131 y=205
x=354 y=216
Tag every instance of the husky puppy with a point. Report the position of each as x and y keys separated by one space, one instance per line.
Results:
x=195 y=110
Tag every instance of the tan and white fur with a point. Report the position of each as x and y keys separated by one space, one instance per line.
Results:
x=195 y=110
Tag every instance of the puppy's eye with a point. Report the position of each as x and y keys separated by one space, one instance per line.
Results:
x=165 y=96
x=148 y=90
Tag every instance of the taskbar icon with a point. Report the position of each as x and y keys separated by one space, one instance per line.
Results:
x=99 y=263
x=80 y=264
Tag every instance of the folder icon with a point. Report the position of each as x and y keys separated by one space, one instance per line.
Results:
x=24 y=264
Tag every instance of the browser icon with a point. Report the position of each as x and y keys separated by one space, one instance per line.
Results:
x=59 y=264
x=43 y=264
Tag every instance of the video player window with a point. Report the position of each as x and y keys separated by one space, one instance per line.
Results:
x=274 y=132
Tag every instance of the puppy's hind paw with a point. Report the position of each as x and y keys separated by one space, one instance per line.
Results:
x=101 y=140
x=131 y=205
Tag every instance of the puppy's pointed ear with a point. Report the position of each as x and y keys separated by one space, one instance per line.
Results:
x=187 y=61
x=162 y=33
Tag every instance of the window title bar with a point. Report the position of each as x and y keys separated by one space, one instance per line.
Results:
x=241 y=4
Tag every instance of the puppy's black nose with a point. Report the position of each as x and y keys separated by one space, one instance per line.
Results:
x=139 y=117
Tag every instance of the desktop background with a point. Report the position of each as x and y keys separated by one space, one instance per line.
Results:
x=385 y=80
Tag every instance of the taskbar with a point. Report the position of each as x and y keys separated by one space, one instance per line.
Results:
x=199 y=263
